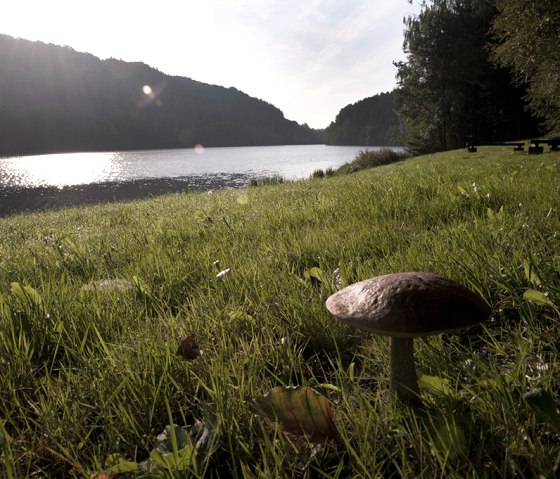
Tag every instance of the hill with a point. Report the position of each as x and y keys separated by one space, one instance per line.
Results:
x=55 y=99
x=371 y=121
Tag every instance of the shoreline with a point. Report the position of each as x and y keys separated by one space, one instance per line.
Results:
x=17 y=199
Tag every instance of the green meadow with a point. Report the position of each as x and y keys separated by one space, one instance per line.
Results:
x=150 y=338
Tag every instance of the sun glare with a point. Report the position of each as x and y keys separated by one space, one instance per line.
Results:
x=147 y=89
x=60 y=169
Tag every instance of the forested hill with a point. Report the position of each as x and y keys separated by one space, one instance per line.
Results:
x=54 y=99
x=371 y=121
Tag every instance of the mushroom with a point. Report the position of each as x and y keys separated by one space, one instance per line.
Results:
x=404 y=306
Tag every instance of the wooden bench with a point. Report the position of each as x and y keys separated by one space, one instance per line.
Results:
x=537 y=149
x=517 y=146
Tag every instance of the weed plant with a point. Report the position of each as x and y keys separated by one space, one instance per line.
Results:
x=320 y=173
x=95 y=300
x=366 y=159
x=266 y=180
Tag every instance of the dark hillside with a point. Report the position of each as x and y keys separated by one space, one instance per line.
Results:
x=371 y=121
x=54 y=99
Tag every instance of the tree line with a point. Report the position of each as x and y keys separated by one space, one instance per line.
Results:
x=481 y=71
x=54 y=99
x=371 y=121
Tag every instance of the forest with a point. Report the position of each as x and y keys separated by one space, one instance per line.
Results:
x=55 y=99
x=479 y=71
x=371 y=121
x=476 y=71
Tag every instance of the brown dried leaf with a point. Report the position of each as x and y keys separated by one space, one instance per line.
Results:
x=297 y=410
x=188 y=348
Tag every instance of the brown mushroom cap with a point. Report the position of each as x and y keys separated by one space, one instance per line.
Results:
x=408 y=305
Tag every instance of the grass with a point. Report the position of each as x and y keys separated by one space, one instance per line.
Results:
x=95 y=300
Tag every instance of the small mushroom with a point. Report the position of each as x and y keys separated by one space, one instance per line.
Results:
x=404 y=306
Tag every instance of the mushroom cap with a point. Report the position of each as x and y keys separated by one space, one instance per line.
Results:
x=408 y=305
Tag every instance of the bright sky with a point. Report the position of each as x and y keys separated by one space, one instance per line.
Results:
x=309 y=58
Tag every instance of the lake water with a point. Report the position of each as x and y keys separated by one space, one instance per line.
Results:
x=229 y=165
x=53 y=181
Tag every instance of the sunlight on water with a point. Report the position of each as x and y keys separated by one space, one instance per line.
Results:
x=200 y=166
x=59 y=169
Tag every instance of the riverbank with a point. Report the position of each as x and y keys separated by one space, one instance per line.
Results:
x=118 y=320
x=14 y=200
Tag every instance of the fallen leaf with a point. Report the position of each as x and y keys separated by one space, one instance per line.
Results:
x=297 y=410
x=101 y=475
x=537 y=297
x=188 y=348
x=315 y=276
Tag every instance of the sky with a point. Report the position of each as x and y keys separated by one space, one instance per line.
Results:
x=309 y=58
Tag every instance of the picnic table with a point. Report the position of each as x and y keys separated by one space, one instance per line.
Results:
x=517 y=146
x=535 y=147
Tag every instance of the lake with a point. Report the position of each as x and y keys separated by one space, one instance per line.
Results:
x=53 y=181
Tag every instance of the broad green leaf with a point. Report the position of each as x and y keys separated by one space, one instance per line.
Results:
x=179 y=461
x=435 y=385
x=332 y=387
x=537 y=297
x=315 y=276
x=174 y=450
x=544 y=406
x=205 y=436
x=172 y=438
x=241 y=316
x=297 y=410
x=118 y=465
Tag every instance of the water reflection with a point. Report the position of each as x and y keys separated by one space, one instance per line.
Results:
x=65 y=169
x=70 y=169
x=56 y=181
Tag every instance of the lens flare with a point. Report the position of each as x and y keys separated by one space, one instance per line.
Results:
x=150 y=94
x=199 y=149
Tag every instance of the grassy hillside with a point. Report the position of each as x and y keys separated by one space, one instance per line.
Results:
x=95 y=301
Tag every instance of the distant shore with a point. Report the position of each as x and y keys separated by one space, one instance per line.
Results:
x=17 y=199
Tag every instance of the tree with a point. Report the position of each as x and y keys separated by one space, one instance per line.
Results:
x=449 y=92
x=425 y=79
x=527 y=35
x=371 y=121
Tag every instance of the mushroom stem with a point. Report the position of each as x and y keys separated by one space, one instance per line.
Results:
x=403 y=371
